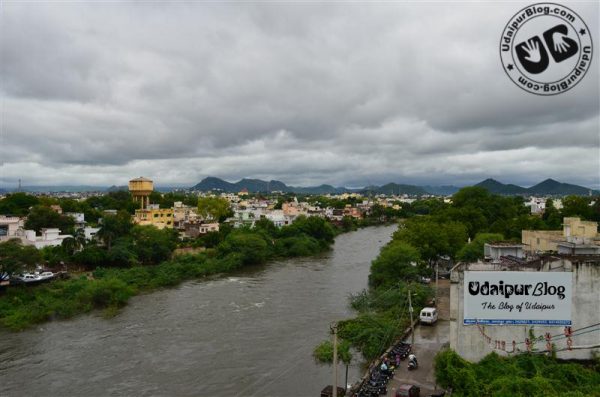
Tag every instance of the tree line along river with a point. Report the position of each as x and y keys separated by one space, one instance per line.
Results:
x=250 y=333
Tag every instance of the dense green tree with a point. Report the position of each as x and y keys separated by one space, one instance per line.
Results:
x=348 y=224
x=17 y=204
x=167 y=200
x=152 y=245
x=70 y=245
x=431 y=238
x=425 y=207
x=551 y=215
x=595 y=209
x=471 y=217
x=577 y=206
x=91 y=257
x=44 y=217
x=252 y=248
x=513 y=228
x=122 y=254
x=119 y=200
x=70 y=205
x=313 y=226
x=485 y=208
x=214 y=208
x=473 y=251
x=14 y=257
x=473 y=196
x=114 y=226
x=55 y=256
x=267 y=226
x=397 y=261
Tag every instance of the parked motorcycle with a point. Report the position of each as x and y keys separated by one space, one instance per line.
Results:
x=412 y=364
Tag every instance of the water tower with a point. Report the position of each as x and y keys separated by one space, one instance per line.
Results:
x=140 y=189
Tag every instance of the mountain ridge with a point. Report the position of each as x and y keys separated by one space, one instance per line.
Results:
x=546 y=187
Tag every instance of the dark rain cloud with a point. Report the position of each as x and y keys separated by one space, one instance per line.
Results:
x=306 y=93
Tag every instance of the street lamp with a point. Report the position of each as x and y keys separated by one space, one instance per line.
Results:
x=410 y=310
x=334 y=328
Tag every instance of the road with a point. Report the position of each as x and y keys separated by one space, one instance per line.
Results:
x=428 y=341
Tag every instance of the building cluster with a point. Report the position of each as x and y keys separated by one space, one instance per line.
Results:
x=190 y=224
x=13 y=227
x=537 y=205
x=247 y=211
x=180 y=217
x=575 y=252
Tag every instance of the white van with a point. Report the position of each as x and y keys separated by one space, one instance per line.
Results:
x=428 y=315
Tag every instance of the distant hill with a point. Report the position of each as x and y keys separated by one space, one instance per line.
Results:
x=552 y=187
x=395 y=188
x=446 y=190
x=252 y=185
x=257 y=185
x=500 y=188
x=545 y=188
x=114 y=188
x=321 y=189
x=549 y=187
x=63 y=188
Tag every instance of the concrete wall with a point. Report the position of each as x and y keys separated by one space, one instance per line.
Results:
x=575 y=227
x=496 y=251
x=541 y=240
x=468 y=341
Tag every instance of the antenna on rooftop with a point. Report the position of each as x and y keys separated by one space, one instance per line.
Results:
x=19 y=188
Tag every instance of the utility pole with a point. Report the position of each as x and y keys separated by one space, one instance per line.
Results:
x=436 y=283
x=335 y=362
x=412 y=327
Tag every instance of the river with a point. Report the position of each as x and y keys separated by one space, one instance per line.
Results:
x=248 y=334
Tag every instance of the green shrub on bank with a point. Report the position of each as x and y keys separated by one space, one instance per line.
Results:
x=112 y=287
x=24 y=306
x=323 y=353
x=382 y=317
x=522 y=375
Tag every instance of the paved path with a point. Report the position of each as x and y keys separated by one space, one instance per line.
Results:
x=428 y=341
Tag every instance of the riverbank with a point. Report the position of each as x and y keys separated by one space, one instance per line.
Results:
x=111 y=288
x=248 y=333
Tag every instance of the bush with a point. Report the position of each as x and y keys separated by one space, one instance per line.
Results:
x=251 y=247
x=523 y=375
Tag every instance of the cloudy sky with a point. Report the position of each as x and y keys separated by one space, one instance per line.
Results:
x=347 y=93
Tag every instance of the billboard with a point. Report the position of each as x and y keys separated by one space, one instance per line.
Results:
x=517 y=298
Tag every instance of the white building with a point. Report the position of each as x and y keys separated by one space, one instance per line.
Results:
x=475 y=341
x=78 y=217
x=50 y=237
x=10 y=227
x=495 y=251
x=90 y=232
x=278 y=218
